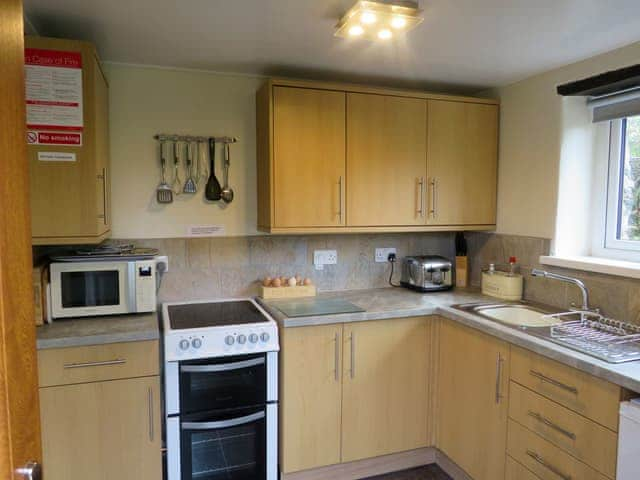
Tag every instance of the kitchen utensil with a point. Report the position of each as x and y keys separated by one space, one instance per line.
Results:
x=190 y=184
x=177 y=182
x=212 y=190
x=164 y=193
x=227 y=191
x=200 y=165
x=427 y=273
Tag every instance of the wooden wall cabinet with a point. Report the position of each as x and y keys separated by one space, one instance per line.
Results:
x=335 y=158
x=97 y=425
x=353 y=392
x=472 y=403
x=70 y=201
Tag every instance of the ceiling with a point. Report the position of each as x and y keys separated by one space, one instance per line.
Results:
x=463 y=45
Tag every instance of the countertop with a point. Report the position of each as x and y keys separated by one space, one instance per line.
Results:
x=98 y=330
x=389 y=303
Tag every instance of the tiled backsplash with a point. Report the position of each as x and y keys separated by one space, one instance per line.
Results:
x=616 y=297
x=202 y=268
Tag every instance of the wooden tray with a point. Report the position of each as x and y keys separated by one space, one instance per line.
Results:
x=288 y=292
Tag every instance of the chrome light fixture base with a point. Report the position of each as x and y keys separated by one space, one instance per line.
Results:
x=379 y=20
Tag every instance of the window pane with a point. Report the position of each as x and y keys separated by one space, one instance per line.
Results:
x=629 y=219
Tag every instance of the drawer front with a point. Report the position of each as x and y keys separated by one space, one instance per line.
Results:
x=515 y=471
x=584 y=439
x=545 y=459
x=66 y=366
x=583 y=393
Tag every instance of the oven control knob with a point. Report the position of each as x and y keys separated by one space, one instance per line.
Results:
x=184 y=344
x=196 y=343
x=253 y=338
x=264 y=337
x=242 y=339
x=229 y=340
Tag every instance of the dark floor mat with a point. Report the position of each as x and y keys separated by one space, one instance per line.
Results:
x=430 y=472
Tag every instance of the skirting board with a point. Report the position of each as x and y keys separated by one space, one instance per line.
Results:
x=381 y=465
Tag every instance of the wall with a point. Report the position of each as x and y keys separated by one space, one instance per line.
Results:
x=542 y=139
x=206 y=268
x=145 y=101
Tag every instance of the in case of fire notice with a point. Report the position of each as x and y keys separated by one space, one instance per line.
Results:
x=54 y=93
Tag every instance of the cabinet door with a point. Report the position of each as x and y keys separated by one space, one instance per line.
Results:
x=308 y=153
x=386 y=160
x=102 y=430
x=462 y=163
x=310 y=397
x=385 y=387
x=472 y=406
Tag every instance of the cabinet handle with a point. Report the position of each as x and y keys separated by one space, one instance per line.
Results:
x=421 y=187
x=552 y=425
x=104 y=363
x=434 y=197
x=352 y=340
x=337 y=357
x=150 y=399
x=553 y=382
x=499 y=378
x=547 y=465
x=103 y=177
x=340 y=200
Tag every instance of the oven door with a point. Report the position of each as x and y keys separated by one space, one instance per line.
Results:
x=231 y=445
x=222 y=383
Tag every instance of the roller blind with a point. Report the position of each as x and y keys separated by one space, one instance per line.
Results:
x=614 y=106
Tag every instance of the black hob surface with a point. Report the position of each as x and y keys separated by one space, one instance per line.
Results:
x=215 y=314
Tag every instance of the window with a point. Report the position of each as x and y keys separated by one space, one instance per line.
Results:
x=623 y=195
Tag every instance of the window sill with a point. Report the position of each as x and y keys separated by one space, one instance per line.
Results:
x=606 y=266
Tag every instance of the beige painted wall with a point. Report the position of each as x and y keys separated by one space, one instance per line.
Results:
x=145 y=101
x=544 y=139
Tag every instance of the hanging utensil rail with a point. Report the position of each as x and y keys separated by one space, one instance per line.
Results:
x=189 y=138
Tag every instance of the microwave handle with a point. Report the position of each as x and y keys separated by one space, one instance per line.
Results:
x=233 y=422
x=223 y=367
x=131 y=287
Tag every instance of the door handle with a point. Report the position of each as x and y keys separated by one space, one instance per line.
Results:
x=340 y=200
x=150 y=400
x=337 y=357
x=103 y=176
x=352 y=340
x=556 y=471
x=499 y=378
x=434 y=198
x=421 y=187
x=554 y=382
x=104 y=363
x=30 y=471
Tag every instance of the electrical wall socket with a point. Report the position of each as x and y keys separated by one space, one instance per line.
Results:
x=324 y=257
x=382 y=254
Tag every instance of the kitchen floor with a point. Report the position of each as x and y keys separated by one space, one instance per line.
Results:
x=430 y=472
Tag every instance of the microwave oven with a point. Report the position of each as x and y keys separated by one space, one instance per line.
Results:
x=94 y=288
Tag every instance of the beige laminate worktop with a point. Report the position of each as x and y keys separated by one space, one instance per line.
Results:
x=389 y=303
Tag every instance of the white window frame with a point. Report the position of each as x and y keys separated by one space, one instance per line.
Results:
x=609 y=245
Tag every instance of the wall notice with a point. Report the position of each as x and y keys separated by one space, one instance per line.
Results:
x=53 y=90
x=56 y=157
x=52 y=138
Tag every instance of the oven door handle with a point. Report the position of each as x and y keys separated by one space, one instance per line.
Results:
x=233 y=422
x=222 y=367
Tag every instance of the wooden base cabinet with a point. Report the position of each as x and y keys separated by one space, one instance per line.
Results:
x=471 y=405
x=353 y=392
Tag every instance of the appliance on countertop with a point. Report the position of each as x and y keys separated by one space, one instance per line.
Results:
x=427 y=273
x=221 y=390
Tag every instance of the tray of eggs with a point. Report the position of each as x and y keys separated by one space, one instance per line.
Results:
x=287 y=287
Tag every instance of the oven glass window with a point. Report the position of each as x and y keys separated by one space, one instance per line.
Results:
x=223 y=383
x=225 y=447
x=90 y=289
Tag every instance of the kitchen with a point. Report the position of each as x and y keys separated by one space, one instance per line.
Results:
x=214 y=225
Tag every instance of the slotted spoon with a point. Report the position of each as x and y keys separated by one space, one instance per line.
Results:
x=190 y=185
x=164 y=193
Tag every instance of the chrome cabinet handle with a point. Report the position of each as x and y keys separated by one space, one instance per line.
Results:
x=223 y=367
x=103 y=176
x=116 y=361
x=434 y=197
x=340 y=199
x=352 y=340
x=30 y=471
x=553 y=382
x=222 y=423
x=547 y=465
x=499 y=378
x=150 y=400
x=421 y=187
x=552 y=425
x=337 y=357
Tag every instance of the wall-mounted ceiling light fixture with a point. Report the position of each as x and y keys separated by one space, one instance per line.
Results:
x=379 y=20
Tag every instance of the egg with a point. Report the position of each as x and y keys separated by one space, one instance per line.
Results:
x=267 y=281
x=307 y=281
x=298 y=280
x=276 y=282
x=292 y=282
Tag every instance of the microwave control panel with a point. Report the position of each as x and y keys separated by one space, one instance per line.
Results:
x=145 y=286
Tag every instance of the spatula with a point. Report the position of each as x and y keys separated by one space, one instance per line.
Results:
x=212 y=190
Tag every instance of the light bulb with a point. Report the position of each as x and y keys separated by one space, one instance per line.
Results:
x=368 y=17
x=398 y=22
x=356 y=30
x=384 y=34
